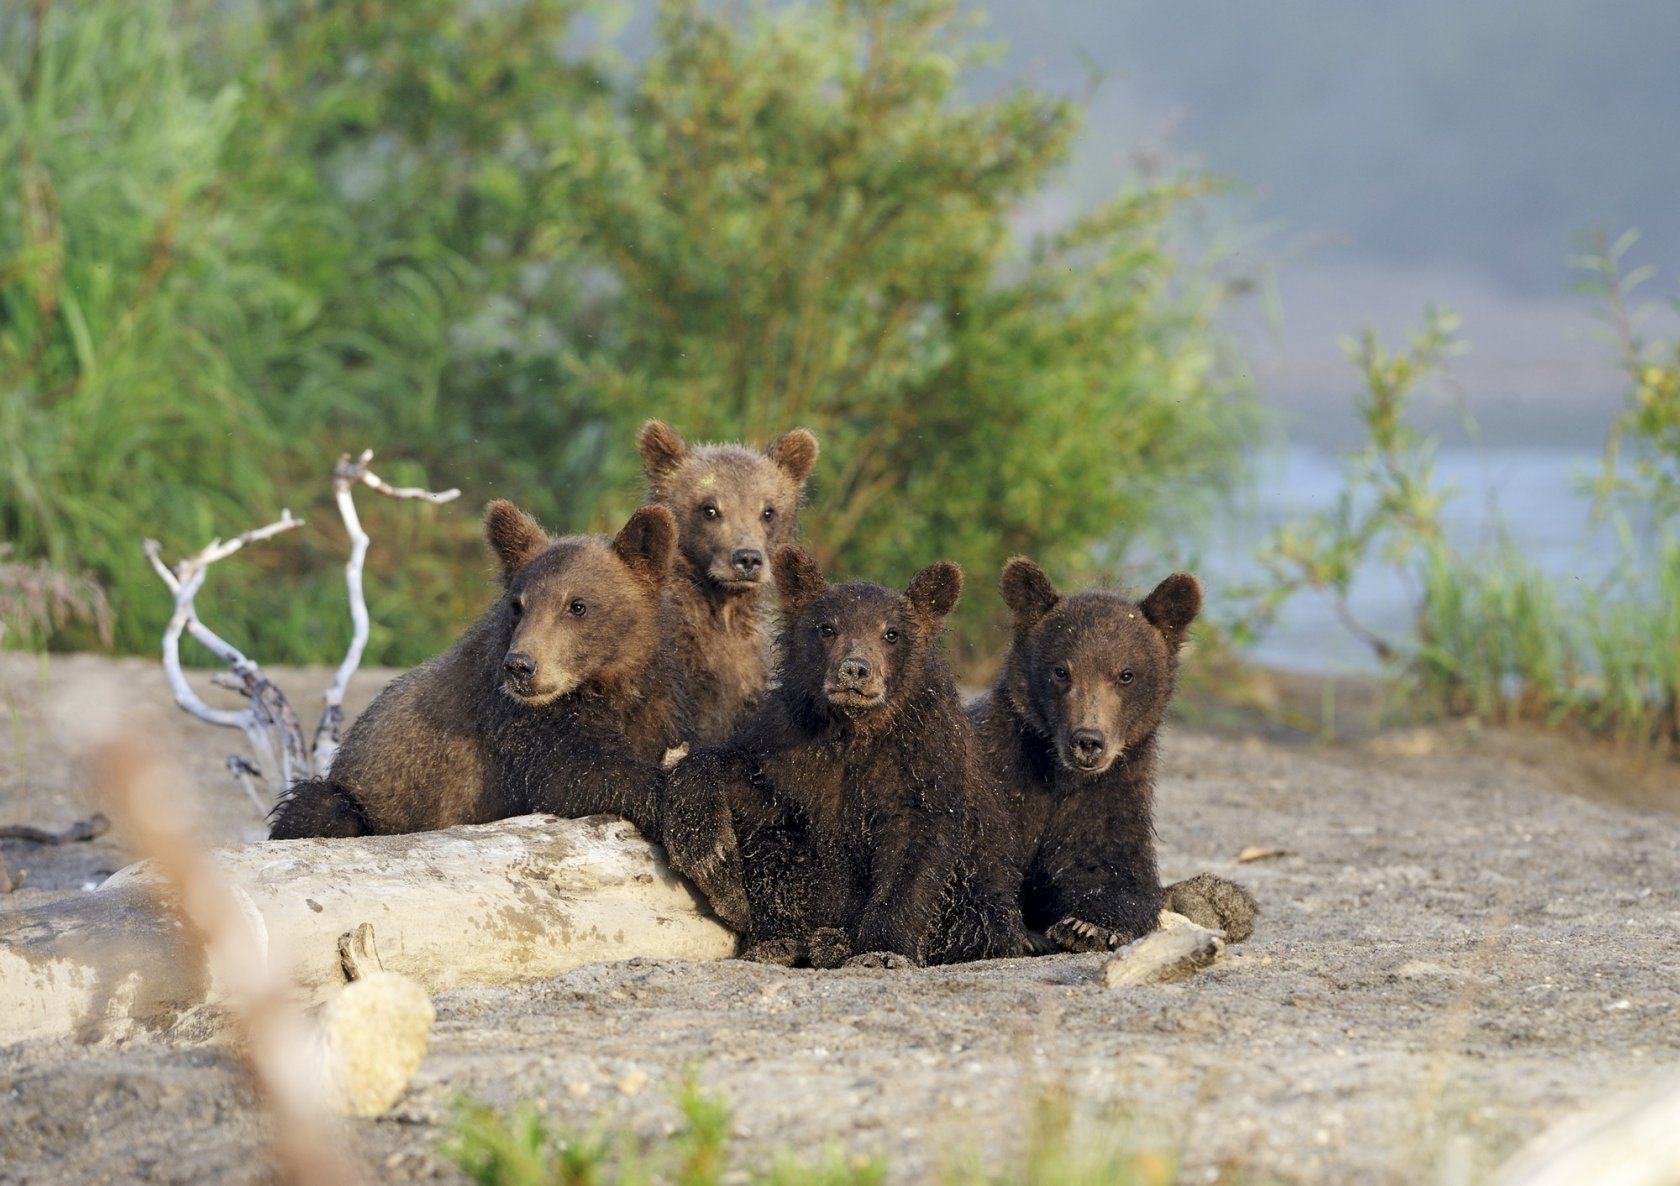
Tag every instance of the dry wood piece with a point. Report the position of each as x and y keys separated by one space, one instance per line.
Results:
x=269 y=723
x=1177 y=951
x=83 y=829
x=374 y=1034
x=502 y=903
x=1255 y=852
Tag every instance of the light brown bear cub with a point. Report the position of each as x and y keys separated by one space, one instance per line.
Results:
x=733 y=507
x=561 y=698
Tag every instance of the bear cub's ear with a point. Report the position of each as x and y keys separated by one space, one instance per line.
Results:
x=933 y=592
x=1173 y=606
x=798 y=579
x=794 y=453
x=1027 y=592
x=648 y=542
x=514 y=536
x=662 y=449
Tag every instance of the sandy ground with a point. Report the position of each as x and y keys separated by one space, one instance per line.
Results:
x=1471 y=937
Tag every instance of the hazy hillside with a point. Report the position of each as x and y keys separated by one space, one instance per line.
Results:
x=1487 y=134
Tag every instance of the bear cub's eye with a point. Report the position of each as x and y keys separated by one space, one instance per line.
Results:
x=577 y=609
x=826 y=630
x=891 y=635
x=517 y=606
x=1126 y=676
x=708 y=510
x=1060 y=671
x=769 y=513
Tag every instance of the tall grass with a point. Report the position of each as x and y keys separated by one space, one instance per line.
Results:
x=1494 y=637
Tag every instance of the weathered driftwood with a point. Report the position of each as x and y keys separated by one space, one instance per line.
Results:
x=269 y=722
x=499 y=903
x=1177 y=951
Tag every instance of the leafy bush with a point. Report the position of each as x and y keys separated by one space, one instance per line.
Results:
x=237 y=240
x=797 y=220
x=1494 y=638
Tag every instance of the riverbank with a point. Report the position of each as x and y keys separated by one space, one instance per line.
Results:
x=1463 y=942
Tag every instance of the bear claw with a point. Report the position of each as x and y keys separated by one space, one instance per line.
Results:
x=782 y=951
x=880 y=959
x=1074 y=934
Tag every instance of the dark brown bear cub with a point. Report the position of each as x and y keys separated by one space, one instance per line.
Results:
x=559 y=699
x=863 y=828
x=1069 y=732
x=734 y=507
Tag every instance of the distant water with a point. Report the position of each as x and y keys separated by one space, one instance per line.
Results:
x=1535 y=494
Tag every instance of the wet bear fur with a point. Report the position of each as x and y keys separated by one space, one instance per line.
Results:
x=1070 y=732
x=733 y=507
x=861 y=828
x=562 y=698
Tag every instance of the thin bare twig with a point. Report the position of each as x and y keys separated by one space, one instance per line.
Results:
x=267 y=720
x=346 y=475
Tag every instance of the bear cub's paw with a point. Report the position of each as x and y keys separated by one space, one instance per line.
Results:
x=828 y=947
x=1214 y=903
x=783 y=951
x=880 y=959
x=700 y=844
x=1073 y=934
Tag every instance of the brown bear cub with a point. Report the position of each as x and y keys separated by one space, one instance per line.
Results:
x=733 y=508
x=561 y=698
x=864 y=829
x=1070 y=733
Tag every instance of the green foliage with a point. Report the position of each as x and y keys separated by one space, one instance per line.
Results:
x=1494 y=637
x=495 y=1150
x=521 y=1151
x=118 y=403
x=237 y=240
x=1389 y=502
x=798 y=220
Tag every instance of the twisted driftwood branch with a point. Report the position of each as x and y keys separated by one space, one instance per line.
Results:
x=270 y=725
x=346 y=475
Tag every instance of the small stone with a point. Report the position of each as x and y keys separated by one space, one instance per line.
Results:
x=633 y=1083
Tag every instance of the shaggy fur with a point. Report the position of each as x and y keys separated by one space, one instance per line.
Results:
x=1070 y=733
x=860 y=827
x=733 y=507
x=561 y=698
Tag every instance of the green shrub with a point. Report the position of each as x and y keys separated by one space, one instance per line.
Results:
x=237 y=240
x=1494 y=639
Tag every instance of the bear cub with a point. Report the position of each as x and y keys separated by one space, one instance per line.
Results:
x=733 y=507
x=1070 y=733
x=863 y=829
x=561 y=698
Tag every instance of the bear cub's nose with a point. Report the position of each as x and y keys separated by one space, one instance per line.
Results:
x=855 y=672
x=519 y=666
x=1087 y=746
x=747 y=562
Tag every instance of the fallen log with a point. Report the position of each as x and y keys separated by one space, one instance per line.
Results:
x=508 y=902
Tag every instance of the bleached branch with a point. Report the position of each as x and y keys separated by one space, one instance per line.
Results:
x=268 y=721
x=270 y=725
x=346 y=475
